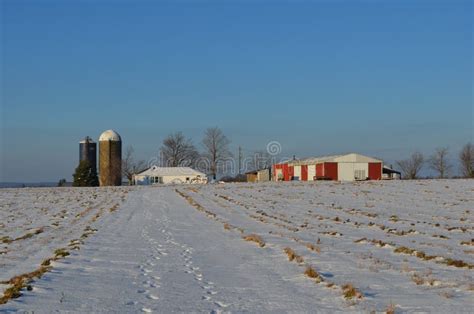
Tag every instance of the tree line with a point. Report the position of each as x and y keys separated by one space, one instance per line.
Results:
x=439 y=163
x=179 y=151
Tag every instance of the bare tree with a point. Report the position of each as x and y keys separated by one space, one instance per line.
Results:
x=439 y=162
x=411 y=166
x=466 y=157
x=216 y=146
x=131 y=167
x=178 y=151
x=258 y=160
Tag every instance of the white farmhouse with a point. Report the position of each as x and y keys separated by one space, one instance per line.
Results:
x=169 y=175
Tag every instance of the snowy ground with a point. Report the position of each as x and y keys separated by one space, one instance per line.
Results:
x=406 y=245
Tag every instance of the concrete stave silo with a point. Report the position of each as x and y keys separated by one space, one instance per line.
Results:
x=110 y=159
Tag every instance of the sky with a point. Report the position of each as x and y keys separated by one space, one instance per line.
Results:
x=381 y=78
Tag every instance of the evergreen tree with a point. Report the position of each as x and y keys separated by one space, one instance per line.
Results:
x=85 y=175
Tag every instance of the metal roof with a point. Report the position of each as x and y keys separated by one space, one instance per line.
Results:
x=386 y=169
x=156 y=171
x=87 y=139
x=351 y=157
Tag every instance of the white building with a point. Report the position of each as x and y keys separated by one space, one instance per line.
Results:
x=390 y=174
x=169 y=175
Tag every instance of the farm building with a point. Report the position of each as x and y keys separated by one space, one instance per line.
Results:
x=389 y=174
x=262 y=175
x=169 y=175
x=348 y=167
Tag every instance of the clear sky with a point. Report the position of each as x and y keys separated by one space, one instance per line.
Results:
x=382 y=78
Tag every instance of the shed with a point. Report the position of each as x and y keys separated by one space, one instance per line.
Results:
x=390 y=174
x=252 y=176
x=262 y=175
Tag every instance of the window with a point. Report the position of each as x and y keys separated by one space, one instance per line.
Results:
x=187 y=179
x=156 y=180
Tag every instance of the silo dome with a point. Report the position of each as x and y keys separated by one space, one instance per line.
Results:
x=110 y=135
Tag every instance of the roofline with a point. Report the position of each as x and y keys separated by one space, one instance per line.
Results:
x=197 y=171
x=320 y=159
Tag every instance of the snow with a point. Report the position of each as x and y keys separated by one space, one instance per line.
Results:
x=180 y=248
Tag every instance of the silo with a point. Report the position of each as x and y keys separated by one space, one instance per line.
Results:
x=88 y=151
x=110 y=158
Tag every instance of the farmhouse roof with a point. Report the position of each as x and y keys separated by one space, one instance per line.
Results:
x=171 y=171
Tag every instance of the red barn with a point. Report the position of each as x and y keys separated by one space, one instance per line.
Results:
x=349 y=167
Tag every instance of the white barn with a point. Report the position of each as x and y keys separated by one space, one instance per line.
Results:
x=169 y=175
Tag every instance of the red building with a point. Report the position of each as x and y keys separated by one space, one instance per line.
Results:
x=349 y=167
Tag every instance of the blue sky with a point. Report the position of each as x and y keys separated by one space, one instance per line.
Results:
x=383 y=78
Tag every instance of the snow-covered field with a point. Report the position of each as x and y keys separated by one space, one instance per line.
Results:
x=368 y=246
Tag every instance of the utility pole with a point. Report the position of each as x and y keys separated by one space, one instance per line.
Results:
x=240 y=159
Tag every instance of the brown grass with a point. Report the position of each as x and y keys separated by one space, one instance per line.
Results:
x=332 y=233
x=299 y=259
x=417 y=279
x=391 y=308
x=228 y=226
x=404 y=250
x=313 y=247
x=6 y=239
x=292 y=256
x=422 y=255
x=457 y=263
x=60 y=253
x=311 y=273
x=114 y=208
x=47 y=262
x=350 y=292
x=17 y=283
x=254 y=238
x=195 y=204
x=468 y=242
x=440 y=236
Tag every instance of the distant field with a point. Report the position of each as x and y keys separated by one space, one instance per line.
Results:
x=4 y=185
x=399 y=245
